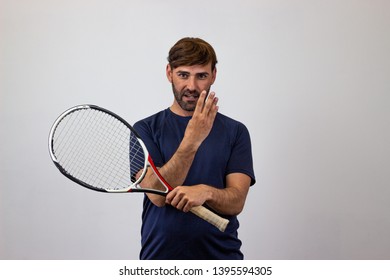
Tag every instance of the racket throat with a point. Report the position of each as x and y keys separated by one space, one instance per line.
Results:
x=159 y=176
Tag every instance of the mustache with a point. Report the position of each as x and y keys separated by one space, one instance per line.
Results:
x=191 y=93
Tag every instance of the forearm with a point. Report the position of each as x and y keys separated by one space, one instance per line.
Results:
x=228 y=201
x=174 y=171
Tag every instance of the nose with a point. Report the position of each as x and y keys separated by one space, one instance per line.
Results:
x=191 y=83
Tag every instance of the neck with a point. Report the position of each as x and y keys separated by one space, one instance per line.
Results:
x=175 y=108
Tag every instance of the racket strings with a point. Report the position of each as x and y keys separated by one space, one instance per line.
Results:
x=107 y=170
x=74 y=146
x=94 y=147
x=137 y=155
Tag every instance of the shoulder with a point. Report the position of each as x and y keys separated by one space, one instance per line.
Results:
x=159 y=116
x=234 y=126
x=152 y=122
x=228 y=120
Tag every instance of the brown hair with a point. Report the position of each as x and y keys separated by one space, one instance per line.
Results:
x=192 y=51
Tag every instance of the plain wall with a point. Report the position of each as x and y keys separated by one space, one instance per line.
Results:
x=310 y=79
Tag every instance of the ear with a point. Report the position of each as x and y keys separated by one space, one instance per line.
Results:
x=169 y=73
x=214 y=75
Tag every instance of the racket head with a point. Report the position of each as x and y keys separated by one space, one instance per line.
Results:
x=99 y=150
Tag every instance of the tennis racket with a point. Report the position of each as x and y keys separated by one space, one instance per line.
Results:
x=100 y=151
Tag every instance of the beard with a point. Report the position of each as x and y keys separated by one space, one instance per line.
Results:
x=191 y=97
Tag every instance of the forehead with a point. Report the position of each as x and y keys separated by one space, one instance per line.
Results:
x=206 y=68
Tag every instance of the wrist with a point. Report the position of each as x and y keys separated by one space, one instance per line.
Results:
x=188 y=146
x=208 y=193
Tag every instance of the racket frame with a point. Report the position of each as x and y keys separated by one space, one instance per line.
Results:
x=134 y=187
x=201 y=211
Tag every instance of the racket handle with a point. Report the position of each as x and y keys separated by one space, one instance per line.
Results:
x=211 y=217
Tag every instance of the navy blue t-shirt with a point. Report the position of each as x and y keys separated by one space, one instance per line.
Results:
x=168 y=233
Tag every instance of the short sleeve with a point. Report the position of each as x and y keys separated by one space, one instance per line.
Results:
x=145 y=132
x=241 y=160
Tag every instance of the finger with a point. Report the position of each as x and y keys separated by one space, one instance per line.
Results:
x=201 y=102
x=170 y=196
x=175 y=197
x=187 y=207
x=214 y=108
x=210 y=103
x=181 y=205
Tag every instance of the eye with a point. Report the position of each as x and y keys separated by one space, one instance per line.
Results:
x=182 y=75
x=202 y=76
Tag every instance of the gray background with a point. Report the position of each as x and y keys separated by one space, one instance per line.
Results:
x=310 y=79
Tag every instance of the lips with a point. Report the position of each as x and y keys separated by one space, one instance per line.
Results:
x=191 y=96
x=190 y=99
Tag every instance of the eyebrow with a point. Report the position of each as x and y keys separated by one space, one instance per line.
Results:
x=188 y=73
x=183 y=72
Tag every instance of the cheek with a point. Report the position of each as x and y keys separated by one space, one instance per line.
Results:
x=178 y=87
x=180 y=84
x=205 y=85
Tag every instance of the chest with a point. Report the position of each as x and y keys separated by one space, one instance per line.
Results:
x=212 y=158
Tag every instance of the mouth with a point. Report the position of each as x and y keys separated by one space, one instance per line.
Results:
x=190 y=97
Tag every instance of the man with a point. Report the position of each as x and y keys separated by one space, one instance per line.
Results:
x=203 y=154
